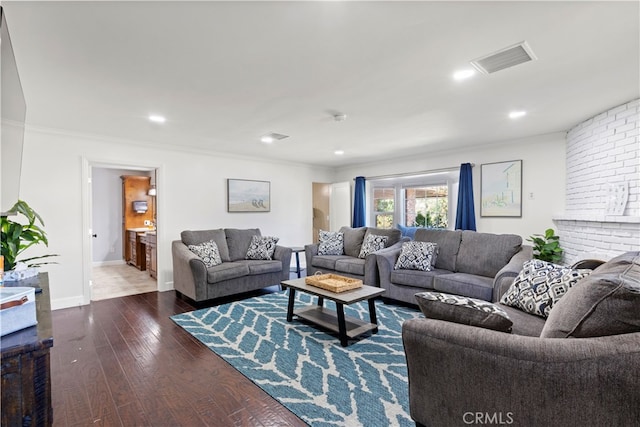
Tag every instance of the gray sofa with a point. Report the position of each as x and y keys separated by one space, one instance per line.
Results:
x=349 y=264
x=235 y=275
x=472 y=264
x=580 y=367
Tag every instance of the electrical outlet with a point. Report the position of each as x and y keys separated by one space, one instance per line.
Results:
x=531 y=197
x=147 y=222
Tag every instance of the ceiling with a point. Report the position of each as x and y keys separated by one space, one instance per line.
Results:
x=225 y=73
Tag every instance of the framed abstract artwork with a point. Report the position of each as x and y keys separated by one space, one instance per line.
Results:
x=501 y=189
x=244 y=195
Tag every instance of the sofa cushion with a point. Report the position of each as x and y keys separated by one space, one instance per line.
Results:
x=605 y=303
x=262 y=247
x=540 y=285
x=372 y=243
x=393 y=235
x=465 y=284
x=195 y=237
x=524 y=324
x=463 y=310
x=262 y=266
x=416 y=278
x=326 y=261
x=350 y=265
x=238 y=241
x=226 y=271
x=485 y=254
x=330 y=243
x=416 y=256
x=353 y=238
x=207 y=252
x=448 y=245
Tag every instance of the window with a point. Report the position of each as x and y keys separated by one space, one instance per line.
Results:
x=426 y=206
x=421 y=201
x=383 y=206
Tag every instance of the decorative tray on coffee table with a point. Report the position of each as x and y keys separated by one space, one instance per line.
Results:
x=333 y=282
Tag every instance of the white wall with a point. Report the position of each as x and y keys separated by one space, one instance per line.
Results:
x=192 y=195
x=543 y=174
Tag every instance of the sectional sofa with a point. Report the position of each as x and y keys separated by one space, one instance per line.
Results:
x=578 y=367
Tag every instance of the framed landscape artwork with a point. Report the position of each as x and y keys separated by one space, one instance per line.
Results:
x=244 y=195
x=501 y=189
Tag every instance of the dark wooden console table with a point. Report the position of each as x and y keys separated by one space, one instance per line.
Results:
x=26 y=370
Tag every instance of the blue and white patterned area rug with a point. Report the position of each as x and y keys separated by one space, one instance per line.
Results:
x=306 y=369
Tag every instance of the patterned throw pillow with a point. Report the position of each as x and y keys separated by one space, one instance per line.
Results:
x=463 y=310
x=208 y=252
x=372 y=243
x=331 y=243
x=416 y=256
x=540 y=285
x=262 y=247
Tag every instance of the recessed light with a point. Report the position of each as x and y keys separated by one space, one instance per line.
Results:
x=338 y=152
x=517 y=114
x=267 y=139
x=464 y=74
x=157 y=119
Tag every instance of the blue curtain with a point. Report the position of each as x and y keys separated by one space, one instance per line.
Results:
x=359 y=213
x=465 y=216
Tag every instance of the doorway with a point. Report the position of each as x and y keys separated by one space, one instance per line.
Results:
x=110 y=275
x=320 y=201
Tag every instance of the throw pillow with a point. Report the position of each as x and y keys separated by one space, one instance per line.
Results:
x=463 y=310
x=416 y=256
x=372 y=243
x=540 y=285
x=331 y=243
x=262 y=247
x=605 y=303
x=208 y=252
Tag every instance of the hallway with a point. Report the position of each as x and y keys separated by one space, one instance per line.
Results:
x=112 y=281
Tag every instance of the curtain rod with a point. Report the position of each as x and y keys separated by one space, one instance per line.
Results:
x=406 y=174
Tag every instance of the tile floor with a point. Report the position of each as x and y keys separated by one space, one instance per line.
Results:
x=111 y=281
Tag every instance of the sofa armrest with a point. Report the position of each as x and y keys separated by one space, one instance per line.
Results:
x=282 y=253
x=371 y=269
x=386 y=260
x=309 y=252
x=189 y=272
x=504 y=277
x=529 y=380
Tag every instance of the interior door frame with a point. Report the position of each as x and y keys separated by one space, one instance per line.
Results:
x=87 y=196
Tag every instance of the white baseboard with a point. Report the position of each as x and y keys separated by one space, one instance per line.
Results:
x=106 y=263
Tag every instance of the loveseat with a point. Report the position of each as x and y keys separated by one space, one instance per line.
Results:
x=348 y=262
x=579 y=367
x=468 y=263
x=235 y=274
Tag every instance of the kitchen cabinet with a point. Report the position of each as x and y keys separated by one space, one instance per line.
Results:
x=134 y=189
x=149 y=241
x=135 y=249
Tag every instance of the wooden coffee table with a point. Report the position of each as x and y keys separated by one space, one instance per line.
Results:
x=346 y=326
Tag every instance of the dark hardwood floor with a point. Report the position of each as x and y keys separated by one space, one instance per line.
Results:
x=123 y=362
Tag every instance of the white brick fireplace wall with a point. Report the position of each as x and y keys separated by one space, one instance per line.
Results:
x=601 y=151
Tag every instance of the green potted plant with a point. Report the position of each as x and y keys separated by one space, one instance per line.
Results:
x=18 y=237
x=546 y=247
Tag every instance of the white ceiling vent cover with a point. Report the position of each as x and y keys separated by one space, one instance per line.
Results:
x=505 y=58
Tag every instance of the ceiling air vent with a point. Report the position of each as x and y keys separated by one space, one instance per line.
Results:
x=504 y=58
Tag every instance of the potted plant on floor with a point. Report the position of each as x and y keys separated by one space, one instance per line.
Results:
x=17 y=237
x=546 y=247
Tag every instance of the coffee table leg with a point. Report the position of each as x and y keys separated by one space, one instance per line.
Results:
x=342 y=328
x=320 y=301
x=372 y=315
x=292 y=297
